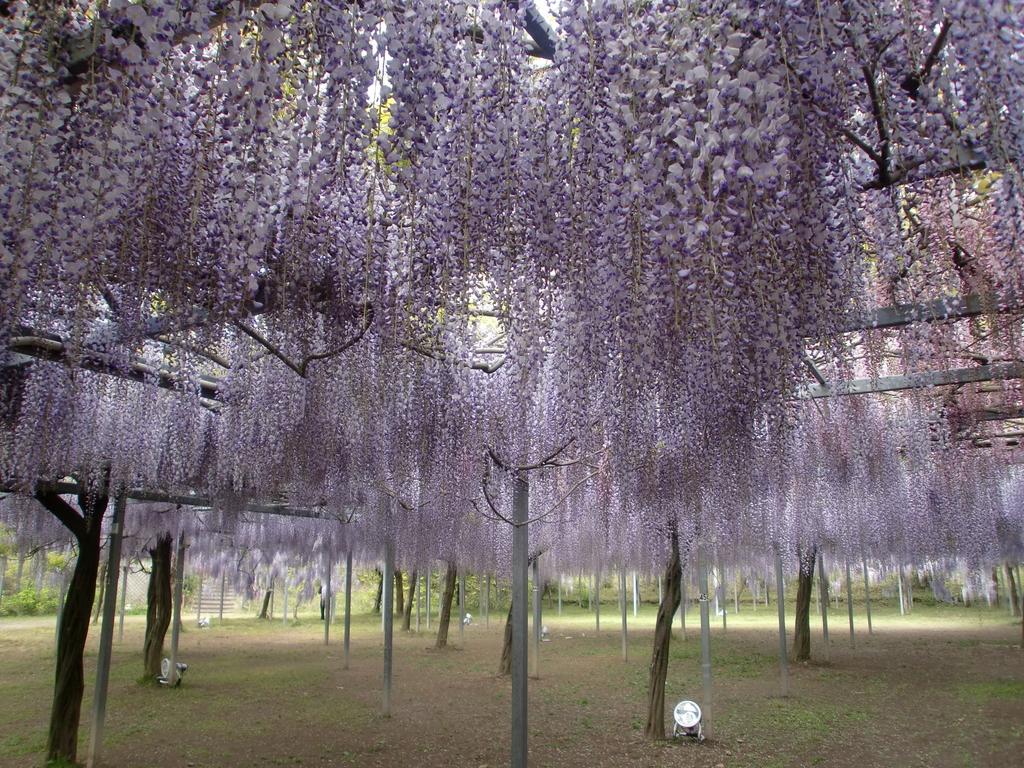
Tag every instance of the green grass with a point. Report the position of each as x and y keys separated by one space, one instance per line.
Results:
x=988 y=691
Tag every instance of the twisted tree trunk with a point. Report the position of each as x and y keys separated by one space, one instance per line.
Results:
x=69 y=683
x=655 y=727
x=805 y=584
x=407 y=615
x=158 y=610
x=505 y=665
x=446 y=607
x=380 y=591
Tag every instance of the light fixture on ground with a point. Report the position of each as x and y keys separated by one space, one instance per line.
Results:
x=687 y=717
x=165 y=672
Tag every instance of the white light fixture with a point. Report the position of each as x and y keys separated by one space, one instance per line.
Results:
x=687 y=717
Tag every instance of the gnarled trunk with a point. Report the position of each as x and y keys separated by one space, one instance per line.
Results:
x=158 y=610
x=69 y=683
x=655 y=727
x=407 y=614
x=266 y=604
x=380 y=591
x=805 y=585
x=1012 y=588
x=505 y=665
x=446 y=607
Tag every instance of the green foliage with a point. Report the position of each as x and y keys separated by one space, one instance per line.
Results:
x=26 y=603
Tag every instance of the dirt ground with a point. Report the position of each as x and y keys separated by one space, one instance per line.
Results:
x=943 y=687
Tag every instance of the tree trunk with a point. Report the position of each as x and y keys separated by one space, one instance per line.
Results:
x=380 y=591
x=101 y=578
x=655 y=728
x=266 y=604
x=995 y=585
x=805 y=584
x=158 y=611
x=446 y=607
x=1012 y=587
x=505 y=665
x=407 y=615
x=69 y=683
x=399 y=593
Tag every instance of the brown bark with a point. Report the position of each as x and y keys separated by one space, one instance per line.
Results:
x=407 y=614
x=505 y=665
x=380 y=592
x=1012 y=588
x=266 y=604
x=158 y=610
x=69 y=683
x=805 y=586
x=446 y=607
x=995 y=585
x=655 y=727
x=399 y=593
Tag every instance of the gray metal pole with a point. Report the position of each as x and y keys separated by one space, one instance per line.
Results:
x=428 y=599
x=559 y=594
x=124 y=600
x=867 y=594
x=636 y=596
x=661 y=596
x=99 y=701
x=389 y=620
x=849 y=602
x=705 y=642
x=780 y=601
x=487 y=600
x=284 y=587
x=347 y=631
x=462 y=608
x=823 y=595
x=535 y=635
x=223 y=584
x=325 y=593
x=520 y=558
x=899 y=584
x=683 y=604
x=597 y=599
x=623 y=599
x=199 y=600
x=179 y=579
x=419 y=600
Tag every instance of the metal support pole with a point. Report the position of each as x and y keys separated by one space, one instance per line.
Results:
x=622 y=605
x=419 y=600
x=462 y=608
x=867 y=594
x=683 y=604
x=849 y=602
x=535 y=635
x=179 y=579
x=284 y=601
x=899 y=584
x=389 y=621
x=597 y=600
x=347 y=631
x=325 y=593
x=705 y=642
x=487 y=600
x=559 y=595
x=823 y=595
x=428 y=599
x=124 y=599
x=780 y=601
x=99 y=701
x=223 y=584
x=661 y=596
x=636 y=595
x=520 y=554
x=199 y=600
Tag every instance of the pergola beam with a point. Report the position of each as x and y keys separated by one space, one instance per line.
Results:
x=195 y=500
x=954 y=377
x=938 y=310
